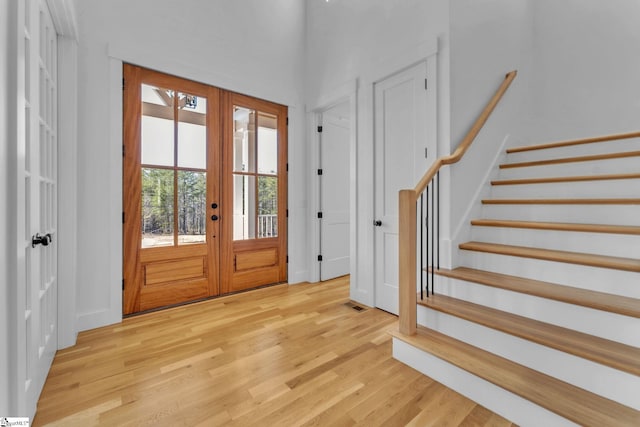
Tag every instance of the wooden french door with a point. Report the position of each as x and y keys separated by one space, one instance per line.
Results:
x=203 y=196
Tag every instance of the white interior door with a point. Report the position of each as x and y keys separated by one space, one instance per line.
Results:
x=402 y=122
x=334 y=192
x=36 y=307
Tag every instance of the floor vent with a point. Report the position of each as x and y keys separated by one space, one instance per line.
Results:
x=354 y=306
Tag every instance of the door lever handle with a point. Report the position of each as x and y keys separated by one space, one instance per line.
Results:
x=377 y=222
x=40 y=240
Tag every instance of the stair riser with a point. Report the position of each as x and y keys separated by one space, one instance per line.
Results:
x=611 y=326
x=575 y=150
x=604 y=381
x=583 y=214
x=618 y=245
x=598 y=167
x=606 y=280
x=496 y=399
x=606 y=189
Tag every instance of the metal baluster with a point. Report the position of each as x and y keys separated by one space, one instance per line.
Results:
x=438 y=220
x=433 y=234
x=426 y=224
x=421 y=248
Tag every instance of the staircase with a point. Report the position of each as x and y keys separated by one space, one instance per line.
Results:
x=541 y=321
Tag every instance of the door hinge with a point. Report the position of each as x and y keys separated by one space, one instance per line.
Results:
x=320 y=129
x=426 y=151
x=319 y=171
x=287 y=121
x=319 y=257
x=123 y=284
x=287 y=213
x=287 y=259
x=123 y=149
x=123 y=217
x=123 y=83
x=319 y=215
x=426 y=85
x=287 y=167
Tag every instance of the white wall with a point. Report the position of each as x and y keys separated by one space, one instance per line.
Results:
x=587 y=68
x=5 y=350
x=249 y=46
x=357 y=39
x=488 y=39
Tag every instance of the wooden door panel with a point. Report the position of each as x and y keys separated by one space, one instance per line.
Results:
x=165 y=263
x=255 y=249
x=169 y=265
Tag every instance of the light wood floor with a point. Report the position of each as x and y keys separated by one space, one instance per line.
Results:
x=279 y=356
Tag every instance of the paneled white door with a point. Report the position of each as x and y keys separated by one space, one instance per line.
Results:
x=36 y=284
x=334 y=192
x=402 y=121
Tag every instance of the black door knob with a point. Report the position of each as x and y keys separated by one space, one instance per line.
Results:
x=214 y=217
x=377 y=223
x=40 y=240
x=214 y=205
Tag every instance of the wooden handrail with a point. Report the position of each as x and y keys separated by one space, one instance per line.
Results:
x=407 y=217
x=468 y=139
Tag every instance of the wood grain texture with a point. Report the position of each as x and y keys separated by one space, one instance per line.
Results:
x=557 y=179
x=617 y=263
x=469 y=137
x=561 y=201
x=558 y=226
x=280 y=356
x=568 y=143
x=561 y=160
x=571 y=295
x=407 y=261
x=573 y=403
x=606 y=352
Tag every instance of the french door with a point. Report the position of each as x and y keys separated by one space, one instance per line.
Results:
x=36 y=235
x=204 y=191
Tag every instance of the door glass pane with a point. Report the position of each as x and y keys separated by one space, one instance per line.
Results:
x=192 y=205
x=157 y=207
x=267 y=144
x=244 y=140
x=192 y=131
x=267 y=206
x=157 y=126
x=244 y=207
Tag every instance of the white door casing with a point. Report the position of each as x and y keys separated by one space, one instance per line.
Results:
x=334 y=191
x=35 y=310
x=404 y=128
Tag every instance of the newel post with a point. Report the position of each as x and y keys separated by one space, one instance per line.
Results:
x=407 y=262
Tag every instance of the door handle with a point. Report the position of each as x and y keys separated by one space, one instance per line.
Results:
x=40 y=240
x=377 y=222
x=214 y=217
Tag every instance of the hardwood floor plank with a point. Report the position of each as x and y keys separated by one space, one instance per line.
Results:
x=284 y=355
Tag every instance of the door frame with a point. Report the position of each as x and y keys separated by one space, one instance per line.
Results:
x=64 y=21
x=347 y=92
x=384 y=68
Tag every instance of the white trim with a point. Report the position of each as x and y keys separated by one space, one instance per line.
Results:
x=383 y=68
x=345 y=92
x=63 y=14
x=258 y=87
x=67 y=190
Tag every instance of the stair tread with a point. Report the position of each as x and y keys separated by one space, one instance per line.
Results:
x=568 y=143
x=557 y=179
x=583 y=297
x=566 y=400
x=623 y=201
x=617 y=263
x=561 y=160
x=559 y=226
x=606 y=352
